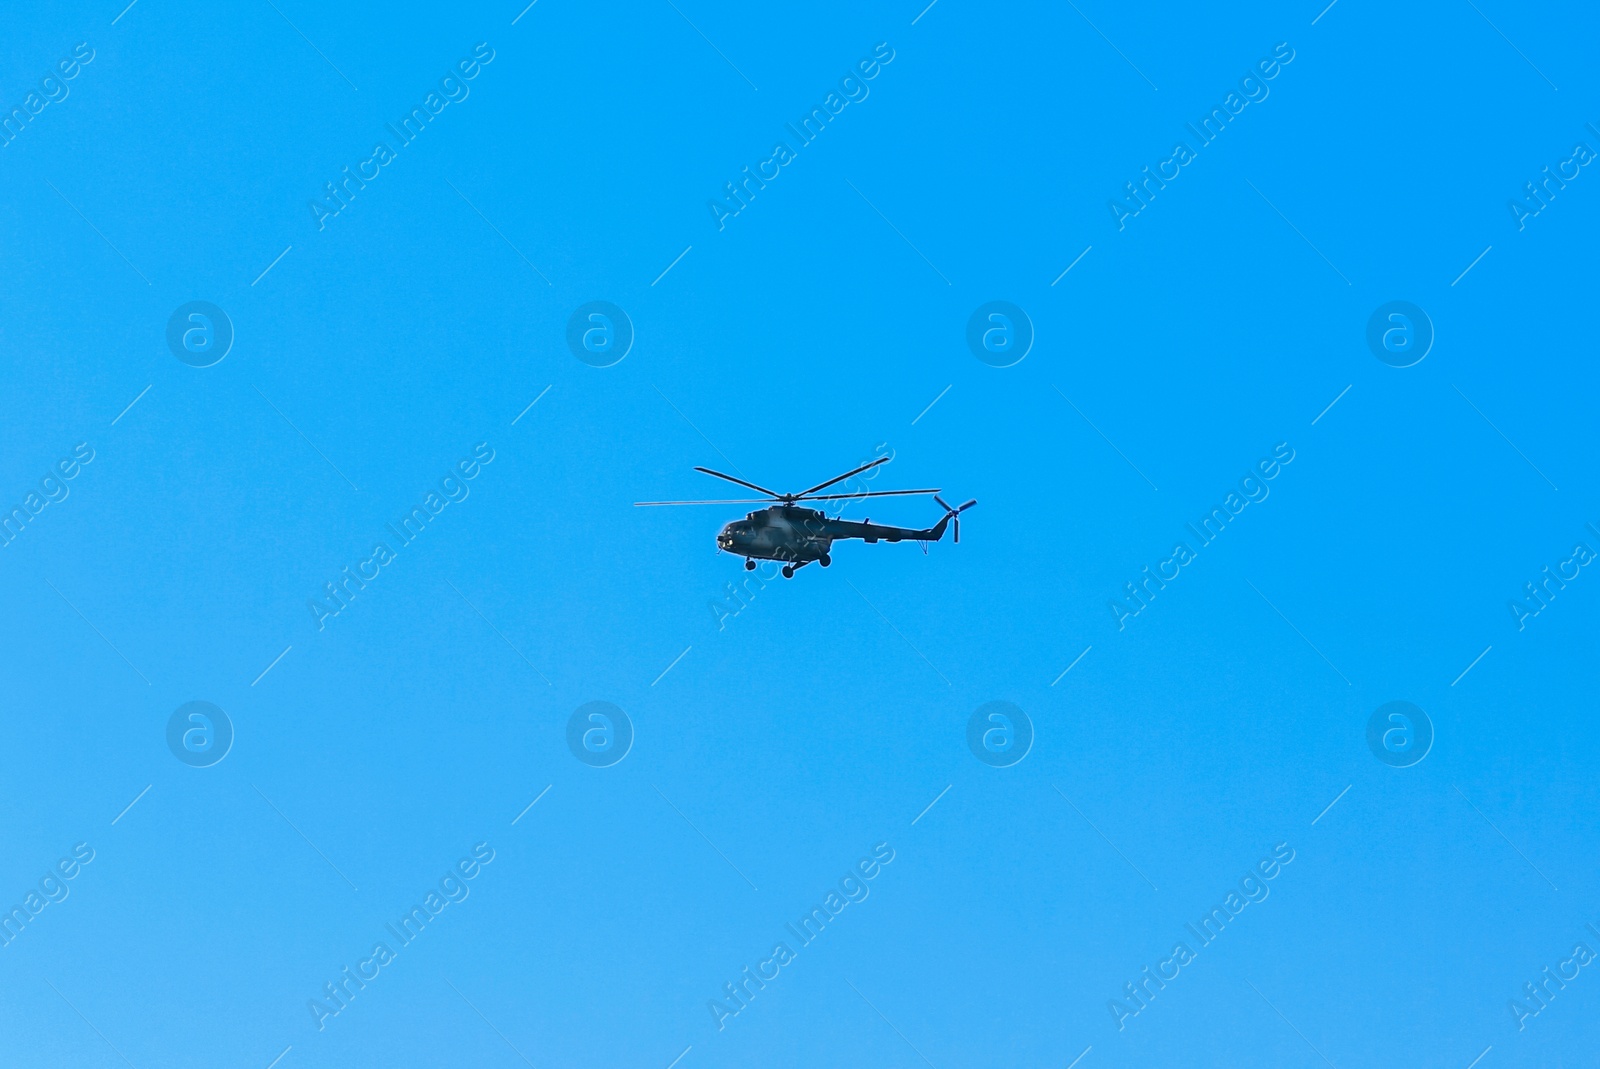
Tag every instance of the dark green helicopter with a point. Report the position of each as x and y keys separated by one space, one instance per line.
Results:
x=797 y=536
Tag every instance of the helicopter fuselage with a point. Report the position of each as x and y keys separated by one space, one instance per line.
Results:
x=789 y=532
x=798 y=535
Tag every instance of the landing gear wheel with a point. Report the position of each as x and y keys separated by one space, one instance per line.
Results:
x=749 y=565
x=788 y=571
x=824 y=560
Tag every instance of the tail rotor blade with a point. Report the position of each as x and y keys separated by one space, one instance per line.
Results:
x=955 y=513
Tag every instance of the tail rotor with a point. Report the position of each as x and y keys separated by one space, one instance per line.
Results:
x=955 y=513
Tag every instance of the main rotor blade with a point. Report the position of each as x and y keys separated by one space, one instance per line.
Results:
x=739 y=501
x=818 y=497
x=846 y=475
x=867 y=493
x=741 y=482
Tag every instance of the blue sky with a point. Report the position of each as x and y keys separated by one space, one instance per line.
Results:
x=411 y=352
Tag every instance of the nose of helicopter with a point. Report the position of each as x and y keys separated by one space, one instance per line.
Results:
x=725 y=537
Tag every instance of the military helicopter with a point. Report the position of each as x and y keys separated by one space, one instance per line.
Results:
x=797 y=536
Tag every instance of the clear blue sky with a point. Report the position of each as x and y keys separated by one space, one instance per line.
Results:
x=572 y=154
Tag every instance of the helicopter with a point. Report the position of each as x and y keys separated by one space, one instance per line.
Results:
x=788 y=532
